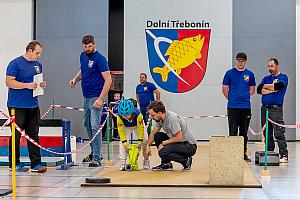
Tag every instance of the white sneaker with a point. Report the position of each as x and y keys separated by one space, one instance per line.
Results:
x=123 y=166
x=283 y=159
x=146 y=165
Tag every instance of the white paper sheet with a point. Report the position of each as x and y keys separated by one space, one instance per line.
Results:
x=38 y=79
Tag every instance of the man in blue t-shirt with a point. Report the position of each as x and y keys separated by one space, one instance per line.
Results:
x=145 y=95
x=273 y=88
x=238 y=86
x=95 y=82
x=19 y=80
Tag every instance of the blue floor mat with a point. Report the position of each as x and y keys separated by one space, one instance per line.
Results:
x=46 y=161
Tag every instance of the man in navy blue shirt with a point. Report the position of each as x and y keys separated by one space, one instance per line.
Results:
x=145 y=95
x=19 y=80
x=273 y=88
x=238 y=86
x=95 y=82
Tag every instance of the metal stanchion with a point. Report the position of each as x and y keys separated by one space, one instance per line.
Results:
x=108 y=135
x=265 y=172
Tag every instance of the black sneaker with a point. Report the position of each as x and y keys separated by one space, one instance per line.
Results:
x=163 y=167
x=246 y=158
x=88 y=158
x=188 y=165
x=283 y=159
x=95 y=163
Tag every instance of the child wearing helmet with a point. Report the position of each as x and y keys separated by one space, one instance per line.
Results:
x=130 y=120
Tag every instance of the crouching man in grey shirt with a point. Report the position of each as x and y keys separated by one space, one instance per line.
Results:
x=177 y=143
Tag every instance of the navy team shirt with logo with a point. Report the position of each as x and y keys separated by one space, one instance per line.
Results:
x=134 y=121
x=275 y=98
x=23 y=70
x=239 y=83
x=145 y=93
x=92 y=81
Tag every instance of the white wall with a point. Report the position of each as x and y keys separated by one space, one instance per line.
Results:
x=298 y=67
x=206 y=98
x=64 y=27
x=15 y=33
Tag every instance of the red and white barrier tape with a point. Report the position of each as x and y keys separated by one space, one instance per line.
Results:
x=73 y=108
x=46 y=113
x=149 y=118
x=67 y=107
x=257 y=133
x=205 y=116
x=277 y=124
x=80 y=109
x=283 y=125
x=11 y=119
x=111 y=111
x=190 y=117
x=61 y=106
x=3 y=113
x=59 y=153
x=148 y=122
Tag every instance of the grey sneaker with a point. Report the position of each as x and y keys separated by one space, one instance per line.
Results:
x=146 y=165
x=95 y=163
x=123 y=166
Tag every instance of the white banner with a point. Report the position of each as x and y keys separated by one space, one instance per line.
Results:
x=15 y=33
x=185 y=48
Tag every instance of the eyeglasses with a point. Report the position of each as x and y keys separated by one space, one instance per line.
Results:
x=153 y=115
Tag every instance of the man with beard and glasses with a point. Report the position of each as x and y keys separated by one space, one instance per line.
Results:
x=237 y=87
x=130 y=120
x=178 y=143
x=95 y=82
x=273 y=88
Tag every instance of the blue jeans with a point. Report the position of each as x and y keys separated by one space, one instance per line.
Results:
x=92 y=122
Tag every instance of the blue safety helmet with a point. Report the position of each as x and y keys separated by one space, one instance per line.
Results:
x=125 y=107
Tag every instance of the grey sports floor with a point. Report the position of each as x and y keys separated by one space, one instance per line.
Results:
x=56 y=184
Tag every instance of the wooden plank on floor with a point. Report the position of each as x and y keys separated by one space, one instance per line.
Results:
x=197 y=177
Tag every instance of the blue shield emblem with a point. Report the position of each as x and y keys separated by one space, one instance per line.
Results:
x=177 y=58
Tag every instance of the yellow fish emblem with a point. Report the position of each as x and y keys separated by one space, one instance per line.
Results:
x=181 y=55
x=246 y=78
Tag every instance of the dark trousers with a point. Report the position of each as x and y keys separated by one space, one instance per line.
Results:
x=103 y=131
x=178 y=152
x=146 y=117
x=238 y=121
x=115 y=133
x=27 y=119
x=275 y=114
x=115 y=129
